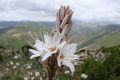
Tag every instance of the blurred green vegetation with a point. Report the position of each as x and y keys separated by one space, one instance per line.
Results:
x=109 y=69
x=20 y=67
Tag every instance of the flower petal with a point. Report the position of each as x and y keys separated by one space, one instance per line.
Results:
x=59 y=61
x=34 y=51
x=70 y=65
x=46 y=56
x=33 y=56
x=38 y=44
x=47 y=38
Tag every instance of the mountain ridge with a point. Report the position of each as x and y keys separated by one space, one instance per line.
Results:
x=88 y=33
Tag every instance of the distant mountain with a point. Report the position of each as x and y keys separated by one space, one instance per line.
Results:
x=45 y=23
x=9 y=23
x=106 y=35
x=4 y=30
x=15 y=37
x=5 y=24
x=93 y=35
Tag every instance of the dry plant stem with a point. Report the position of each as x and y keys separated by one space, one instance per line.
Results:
x=63 y=23
x=50 y=68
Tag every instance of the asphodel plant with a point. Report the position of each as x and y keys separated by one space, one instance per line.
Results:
x=55 y=51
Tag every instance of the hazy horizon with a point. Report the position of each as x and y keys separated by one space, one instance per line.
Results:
x=39 y=10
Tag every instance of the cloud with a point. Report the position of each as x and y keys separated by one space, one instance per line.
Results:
x=45 y=10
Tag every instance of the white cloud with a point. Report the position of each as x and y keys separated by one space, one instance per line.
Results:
x=45 y=10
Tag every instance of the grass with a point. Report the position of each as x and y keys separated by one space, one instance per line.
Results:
x=107 y=40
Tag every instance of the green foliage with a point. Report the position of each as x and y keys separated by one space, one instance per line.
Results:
x=1 y=47
x=109 y=69
x=93 y=69
x=1 y=58
x=25 y=50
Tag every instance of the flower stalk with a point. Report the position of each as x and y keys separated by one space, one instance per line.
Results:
x=56 y=52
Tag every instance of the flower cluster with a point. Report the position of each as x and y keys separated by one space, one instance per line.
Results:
x=55 y=51
x=53 y=45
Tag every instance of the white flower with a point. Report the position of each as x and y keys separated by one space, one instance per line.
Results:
x=39 y=48
x=54 y=44
x=14 y=67
x=37 y=74
x=47 y=47
x=17 y=64
x=7 y=69
x=43 y=49
x=84 y=76
x=29 y=66
x=16 y=57
x=25 y=78
x=67 y=56
x=32 y=78
x=11 y=62
x=67 y=72
x=29 y=72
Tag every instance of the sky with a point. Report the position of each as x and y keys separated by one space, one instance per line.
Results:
x=45 y=10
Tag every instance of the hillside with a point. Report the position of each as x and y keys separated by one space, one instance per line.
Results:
x=105 y=36
x=110 y=35
x=14 y=37
x=97 y=35
x=90 y=34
